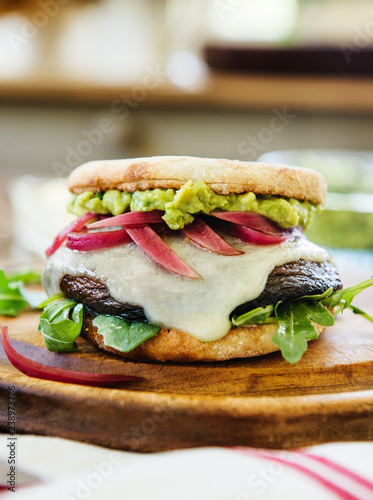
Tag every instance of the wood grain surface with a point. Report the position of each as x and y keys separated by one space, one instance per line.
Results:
x=261 y=402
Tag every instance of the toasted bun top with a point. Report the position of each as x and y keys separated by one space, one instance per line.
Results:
x=222 y=176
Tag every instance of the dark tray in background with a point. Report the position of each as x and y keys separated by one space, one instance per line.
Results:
x=347 y=60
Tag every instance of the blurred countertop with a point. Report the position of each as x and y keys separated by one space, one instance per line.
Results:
x=242 y=91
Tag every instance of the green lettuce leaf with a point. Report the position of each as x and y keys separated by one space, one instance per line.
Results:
x=60 y=323
x=121 y=334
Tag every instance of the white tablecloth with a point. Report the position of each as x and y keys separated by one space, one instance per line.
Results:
x=53 y=468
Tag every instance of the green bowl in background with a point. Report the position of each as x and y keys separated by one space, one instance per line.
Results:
x=347 y=221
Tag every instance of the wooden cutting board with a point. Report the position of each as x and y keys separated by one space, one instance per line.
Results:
x=260 y=402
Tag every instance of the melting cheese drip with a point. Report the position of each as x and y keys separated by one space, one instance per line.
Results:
x=200 y=308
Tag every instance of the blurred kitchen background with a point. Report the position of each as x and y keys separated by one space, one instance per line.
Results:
x=82 y=80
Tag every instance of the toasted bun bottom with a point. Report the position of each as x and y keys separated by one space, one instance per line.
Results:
x=174 y=345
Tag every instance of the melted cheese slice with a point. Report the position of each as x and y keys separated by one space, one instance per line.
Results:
x=200 y=308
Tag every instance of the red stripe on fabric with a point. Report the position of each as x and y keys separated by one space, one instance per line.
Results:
x=339 y=468
x=343 y=494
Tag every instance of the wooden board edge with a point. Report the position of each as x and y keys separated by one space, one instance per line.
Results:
x=149 y=422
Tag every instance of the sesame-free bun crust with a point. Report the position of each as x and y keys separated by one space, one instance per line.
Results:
x=222 y=176
x=174 y=345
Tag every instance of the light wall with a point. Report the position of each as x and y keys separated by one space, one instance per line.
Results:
x=41 y=139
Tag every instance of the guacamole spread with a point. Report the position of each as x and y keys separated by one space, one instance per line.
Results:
x=180 y=205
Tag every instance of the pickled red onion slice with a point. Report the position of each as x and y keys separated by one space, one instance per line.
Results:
x=86 y=242
x=258 y=238
x=38 y=370
x=75 y=225
x=132 y=219
x=251 y=220
x=153 y=245
x=202 y=234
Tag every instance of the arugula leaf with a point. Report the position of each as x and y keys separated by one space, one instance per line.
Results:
x=292 y=332
x=318 y=297
x=60 y=323
x=26 y=276
x=122 y=335
x=51 y=299
x=295 y=326
x=11 y=298
x=295 y=317
x=317 y=313
x=344 y=297
x=62 y=319
x=357 y=310
x=258 y=315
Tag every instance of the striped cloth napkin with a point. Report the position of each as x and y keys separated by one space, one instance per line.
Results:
x=53 y=468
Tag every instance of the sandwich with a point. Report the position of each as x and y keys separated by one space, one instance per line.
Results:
x=191 y=259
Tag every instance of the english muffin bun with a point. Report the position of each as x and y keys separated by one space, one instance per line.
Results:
x=173 y=345
x=222 y=176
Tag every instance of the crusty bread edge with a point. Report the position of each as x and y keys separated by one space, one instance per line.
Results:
x=222 y=176
x=174 y=345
